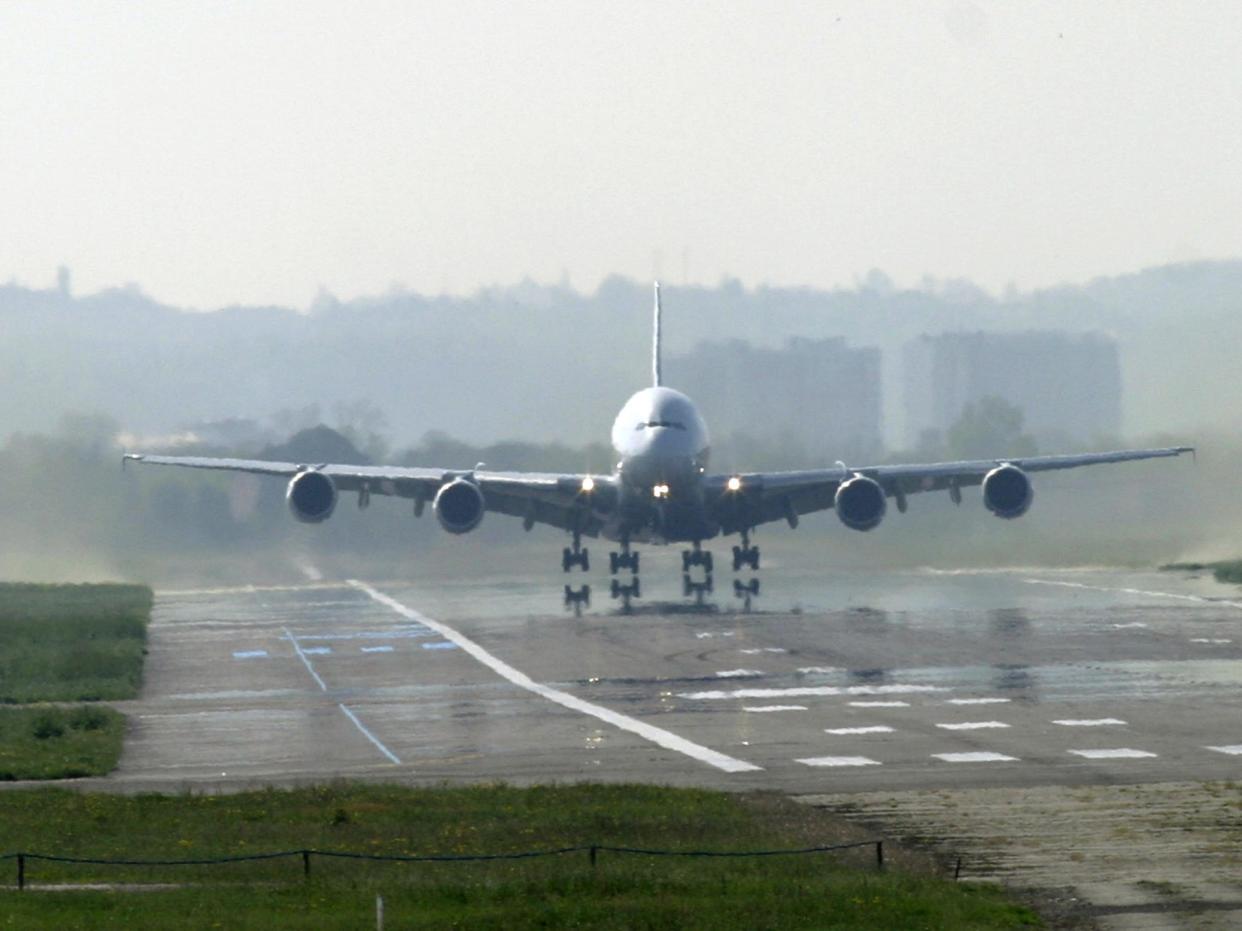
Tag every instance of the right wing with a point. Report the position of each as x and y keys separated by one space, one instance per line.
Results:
x=564 y=500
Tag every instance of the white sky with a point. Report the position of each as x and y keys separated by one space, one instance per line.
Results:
x=251 y=152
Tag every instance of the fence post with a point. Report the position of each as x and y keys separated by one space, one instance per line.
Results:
x=879 y=855
x=21 y=871
x=306 y=863
x=957 y=871
x=594 y=851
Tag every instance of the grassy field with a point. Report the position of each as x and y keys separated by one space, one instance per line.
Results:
x=1228 y=571
x=54 y=742
x=72 y=642
x=841 y=890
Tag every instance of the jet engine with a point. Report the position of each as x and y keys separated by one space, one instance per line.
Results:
x=459 y=506
x=860 y=503
x=1007 y=491
x=311 y=496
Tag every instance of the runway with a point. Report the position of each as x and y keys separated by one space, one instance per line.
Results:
x=835 y=682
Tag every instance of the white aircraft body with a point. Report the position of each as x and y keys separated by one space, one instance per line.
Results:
x=661 y=490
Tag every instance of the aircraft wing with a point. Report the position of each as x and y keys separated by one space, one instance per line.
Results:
x=768 y=496
x=537 y=497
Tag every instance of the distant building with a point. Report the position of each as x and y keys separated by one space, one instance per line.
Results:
x=817 y=400
x=1068 y=385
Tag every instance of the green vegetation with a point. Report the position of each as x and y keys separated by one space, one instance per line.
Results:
x=1229 y=571
x=53 y=742
x=67 y=643
x=72 y=642
x=831 y=890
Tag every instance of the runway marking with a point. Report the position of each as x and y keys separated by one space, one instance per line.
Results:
x=349 y=714
x=1135 y=591
x=440 y=645
x=811 y=670
x=756 y=709
x=978 y=701
x=738 y=674
x=400 y=633
x=976 y=756
x=369 y=736
x=810 y=690
x=1215 y=640
x=753 y=650
x=1090 y=722
x=849 y=731
x=838 y=761
x=1133 y=624
x=879 y=704
x=656 y=735
x=249 y=654
x=383 y=649
x=1120 y=753
x=972 y=725
x=707 y=635
x=1232 y=749
x=317 y=651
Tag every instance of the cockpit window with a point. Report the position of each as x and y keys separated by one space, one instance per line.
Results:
x=671 y=424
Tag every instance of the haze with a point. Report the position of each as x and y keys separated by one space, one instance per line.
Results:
x=253 y=153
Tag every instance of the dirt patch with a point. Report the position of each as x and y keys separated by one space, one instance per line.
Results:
x=1164 y=855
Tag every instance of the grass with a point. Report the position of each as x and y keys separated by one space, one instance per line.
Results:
x=53 y=742
x=841 y=890
x=1229 y=570
x=72 y=642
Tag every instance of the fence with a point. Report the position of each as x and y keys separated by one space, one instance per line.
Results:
x=592 y=850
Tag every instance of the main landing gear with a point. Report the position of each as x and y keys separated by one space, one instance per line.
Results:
x=743 y=556
x=624 y=560
x=690 y=559
x=579 y=597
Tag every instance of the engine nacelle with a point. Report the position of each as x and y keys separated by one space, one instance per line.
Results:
x=1007 y=492
x=459 y=506
x=311 y=496
x=860 y=503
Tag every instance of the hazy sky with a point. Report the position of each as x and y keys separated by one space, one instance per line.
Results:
x=252 y=152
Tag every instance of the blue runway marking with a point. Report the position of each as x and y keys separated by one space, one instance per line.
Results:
x=384 y=649
x=317 y=651
x=440 y=645
x=250 y=654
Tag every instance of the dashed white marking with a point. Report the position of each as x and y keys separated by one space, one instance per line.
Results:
x=738 y=674
x=1128 y=626
x=1119 y=753
x=1232 y=749
x=757 y=709
x=1213 y=640
x=1135 y=591
x=879 y=704
x=972 y=725
x=656 y=735
x=978 y=701
x=383 y=649
x=440 y=645
x=399 y=633
x=976 y=756
x=849 y=731
x=751 y=651
x=839 y=761
x=811 y=690
x=707 y=635
x=317 y=651
x=812 y=670
x=1090 y=722
x=349 y=714
x=249 y=654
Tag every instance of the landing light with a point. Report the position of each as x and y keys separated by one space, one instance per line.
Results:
x=660 y=491
x=588 y=484
x=734 y=484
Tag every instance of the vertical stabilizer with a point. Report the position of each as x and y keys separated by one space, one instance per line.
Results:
x=655 y=341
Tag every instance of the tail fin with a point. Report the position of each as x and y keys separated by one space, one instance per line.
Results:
x=655 y=341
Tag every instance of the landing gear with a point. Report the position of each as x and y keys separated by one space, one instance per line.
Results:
x=696 y=557
x=578 y=598
x=745 y=589
x=691 y=587
x=745 y=555
x=578 y=556
x=624 y=560
x=632 y=589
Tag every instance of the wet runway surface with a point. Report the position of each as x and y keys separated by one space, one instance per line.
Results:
x=835 y=683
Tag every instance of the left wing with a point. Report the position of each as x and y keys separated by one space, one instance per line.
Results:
x=746 y=500
x=569 y=501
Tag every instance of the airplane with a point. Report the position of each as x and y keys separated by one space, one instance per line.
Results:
x=660 y=491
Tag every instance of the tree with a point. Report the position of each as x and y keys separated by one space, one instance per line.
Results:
x=989 y=428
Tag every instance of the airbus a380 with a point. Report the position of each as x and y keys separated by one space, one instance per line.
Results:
x=660 y=491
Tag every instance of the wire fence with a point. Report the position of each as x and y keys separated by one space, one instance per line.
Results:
x=25 y=859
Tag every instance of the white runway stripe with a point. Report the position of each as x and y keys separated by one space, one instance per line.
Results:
x=976 y=756
x=972 y=725
x=1090 y=722
x=879 y=704
x=811 y=690
x=1232 y=749
x=761 y=708
x=978 y=701
x=847 y=731
x=1119 y=753
x=1134 y=591
x=656 y=735
x=838 y=761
